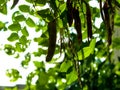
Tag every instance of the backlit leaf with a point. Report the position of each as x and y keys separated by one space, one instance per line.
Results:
x=2 y=25
x=20 y=18
x=25 y=32
x=3 y=9
x=24 y=8
x=87 y=50
x=14 y=27
x=23 y=40
x=62 y=7
x=9 y=49
x=71 y=77
x=65 y=66
x=38 y=64
x=30 y=22
x=13 y=37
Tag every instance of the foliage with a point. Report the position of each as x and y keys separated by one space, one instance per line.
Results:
x=68 y=30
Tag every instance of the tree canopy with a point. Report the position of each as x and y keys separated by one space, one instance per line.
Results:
x=80 y=52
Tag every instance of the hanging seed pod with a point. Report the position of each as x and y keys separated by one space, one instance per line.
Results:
x=89 y=20
x=77 y=24
x=15 y=2
x=107 y=22
x=52 y=40
x=69 y=12
x=101 y=11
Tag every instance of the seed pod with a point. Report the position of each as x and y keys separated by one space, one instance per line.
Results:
x=69 y=12
x=101 y=11
x=77 y=24
x=52 y=39
x=14 y=3
x=107 y=22
x=89 y=21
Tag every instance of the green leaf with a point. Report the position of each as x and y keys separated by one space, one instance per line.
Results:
x=13 y=74
x=43 y=79
x=23 y=40
x=71 y=77
x=3 y=9
x=30 y=22
x=41 y=2
x=13 y=37
x=92 y=45
x=9 y=49
x=24 y=8
x=86 y=53
x=2 y=25
x=20 y=18
x=40 y=52
x=118 y=73
x=18 y=47
x=27 y=60
x=2 y=1
x=38 y=64
x=14 y=27
x=25 y=32
x=60 y=23
x=62 y=7
x=65 y=66
x=45 y=14
x=41 y=41
x=87 y=50
x=116 y=43
x=30 y=1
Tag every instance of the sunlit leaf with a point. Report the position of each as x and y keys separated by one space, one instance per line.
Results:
x=41 y=41
x=71 y=77
x=3 y=9
x=13 y=74
x=14 y=27
x=40 y=52
x=24 y=8
x=27 y=59
x=38 y=64
x=30 y=22
x=25 y=32
x=20 y=18
x=118 y=73
x=65 y=66
x=18 y=47
x=92 y=45
x=62 y=7
x=43 y=79
x=23 y=40
x=13 y=37
x=9 y=49
x=86 y=53
x=45 y=14
x=2 y=25
x=60 y=23
x=87 y=50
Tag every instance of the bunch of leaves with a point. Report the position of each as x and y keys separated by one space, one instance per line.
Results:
x=82 y=66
